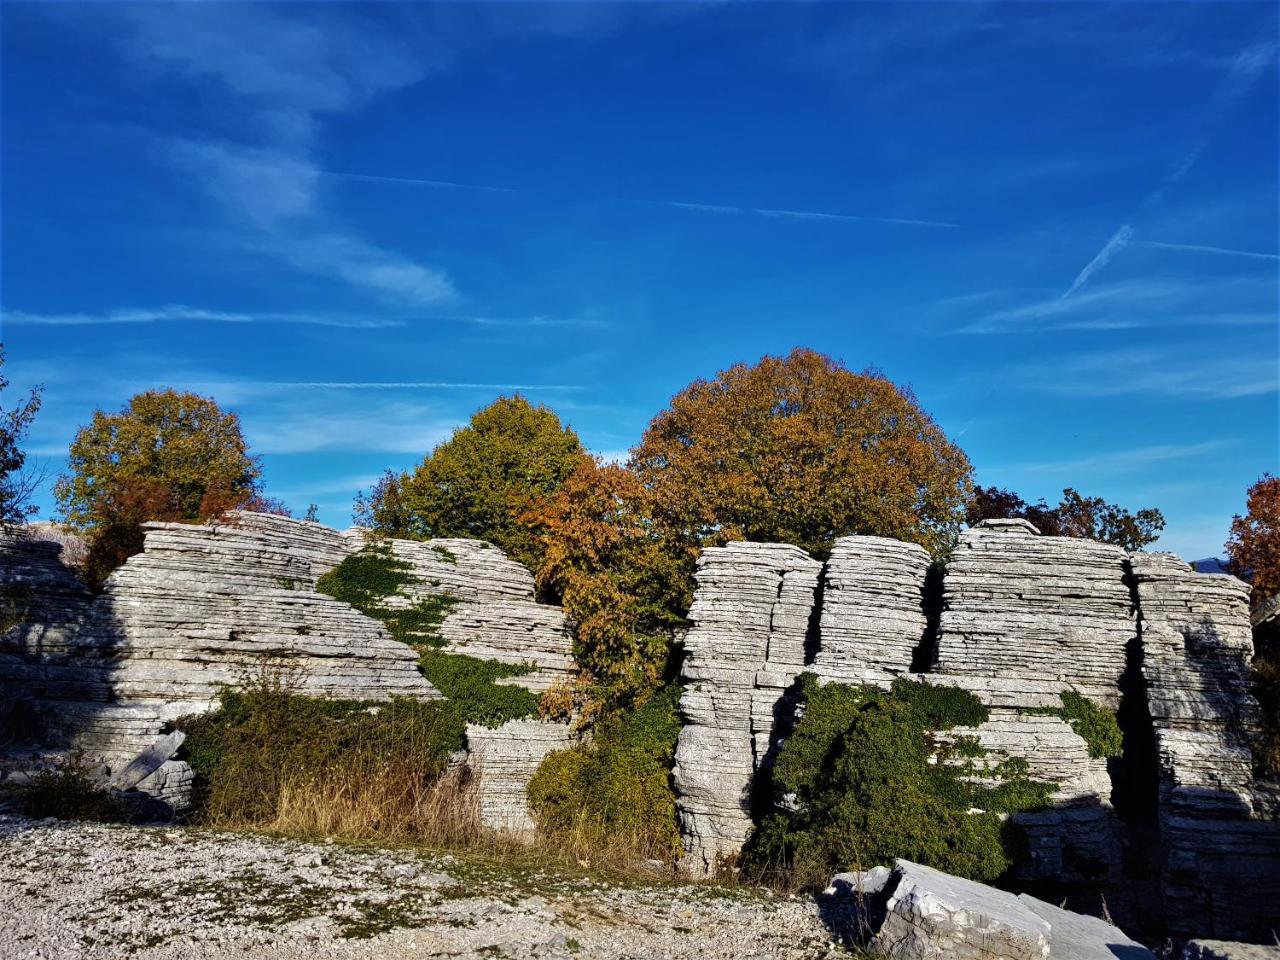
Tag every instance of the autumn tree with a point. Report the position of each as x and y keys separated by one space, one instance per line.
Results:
x=483 y=482
x=166 y=456
x=621 y=582
x=17 y=483
x=800 y=449
x=1253 y=549
x=1074 y=516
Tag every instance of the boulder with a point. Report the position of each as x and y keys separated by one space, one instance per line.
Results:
x=1078 y=936
x=932 y=915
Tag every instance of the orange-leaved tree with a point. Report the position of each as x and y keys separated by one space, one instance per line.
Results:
x=1253 y=549
x=800 y=449
x=621 y=581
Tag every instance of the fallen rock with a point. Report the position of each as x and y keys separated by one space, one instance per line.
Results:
x=931 y=915
x=1078 y=936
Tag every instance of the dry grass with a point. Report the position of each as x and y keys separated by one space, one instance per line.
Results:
x=392 y=803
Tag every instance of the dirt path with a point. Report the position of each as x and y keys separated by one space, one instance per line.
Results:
x=88 y=891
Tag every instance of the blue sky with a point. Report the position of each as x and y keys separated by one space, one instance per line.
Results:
x=355 y=225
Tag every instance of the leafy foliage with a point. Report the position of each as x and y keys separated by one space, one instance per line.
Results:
x=863 y=788
x=1074 y=516
x=481 y=483
x=1253 y=549
x=69 y=793
x=614 y=791
x=371 y=578
x=17 y=485
x=1098 y=727
x=166 y=456
x=471 y=683
x=801 y=450
x=621 y=582
x=264 y=739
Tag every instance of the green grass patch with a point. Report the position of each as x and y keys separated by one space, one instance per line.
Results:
x=1097 y=726
x=868 y=779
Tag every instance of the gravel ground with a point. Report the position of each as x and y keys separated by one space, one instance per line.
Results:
x=89 y=891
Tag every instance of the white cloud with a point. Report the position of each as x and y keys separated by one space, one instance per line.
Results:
x=1119 y=460
x=1204 y=248
x=180 y=313
x=281 y=72
x=1188 y=375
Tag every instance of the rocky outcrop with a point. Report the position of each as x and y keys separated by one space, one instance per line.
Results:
x=1026 y=618
x=1018 y=605
x=1229 y=950
x=873 y=614
x=495 y=616
x=751 y=617
x=504 y=760
x=1220 y=836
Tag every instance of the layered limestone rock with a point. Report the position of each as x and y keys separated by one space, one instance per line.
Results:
x=496 y=616
x=751 y=617
x=1026 y=618
x=873 y=618
x=504 y=760
x=1018 y=605
x=1220 y=836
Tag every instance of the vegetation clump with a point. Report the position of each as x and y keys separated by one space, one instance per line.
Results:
x=370 y=578
x=865 y=777
x=67 y=792
x=1075 y=516
x=269 y=758
x=613 y=793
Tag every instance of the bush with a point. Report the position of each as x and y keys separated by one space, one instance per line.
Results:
x=69 y=793
x=613 y=794
x=368 y=579
x=865 y=779
x=268 y=758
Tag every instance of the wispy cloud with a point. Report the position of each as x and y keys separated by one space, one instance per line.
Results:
x=1157 y=302
x=376 y=385
x=282 y=73
x=1161 y=373
x=675 y=204
x=180 y=313
x=1119 y=460
x=1245 y=70
x=1204 y=248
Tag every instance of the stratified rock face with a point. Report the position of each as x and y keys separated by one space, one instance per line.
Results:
x=751 y=616
x=496 y=616
x=1021 y=605
x=200 y=607
x=505 y=760
x=1026 y=618
x=1219 y=834
x=873 y=618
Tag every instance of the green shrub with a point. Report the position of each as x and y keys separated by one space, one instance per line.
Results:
x=614 y=793
x=264 y=741
x=68 y=793
x=469 y=683
x=367 y=579
x=1097 y=726
x=862 y=790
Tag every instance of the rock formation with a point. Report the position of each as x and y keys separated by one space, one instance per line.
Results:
x=1219 y=824
x=207 y=605
x=505 y=759
x=751 y=618
x=1025 y=618
x=873 y=614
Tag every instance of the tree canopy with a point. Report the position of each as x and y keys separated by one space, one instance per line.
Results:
x=166 y=456
x=482 y=482
x=1253 y=550
x=16 y=484
x=800 y=449
x=1074 y=516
